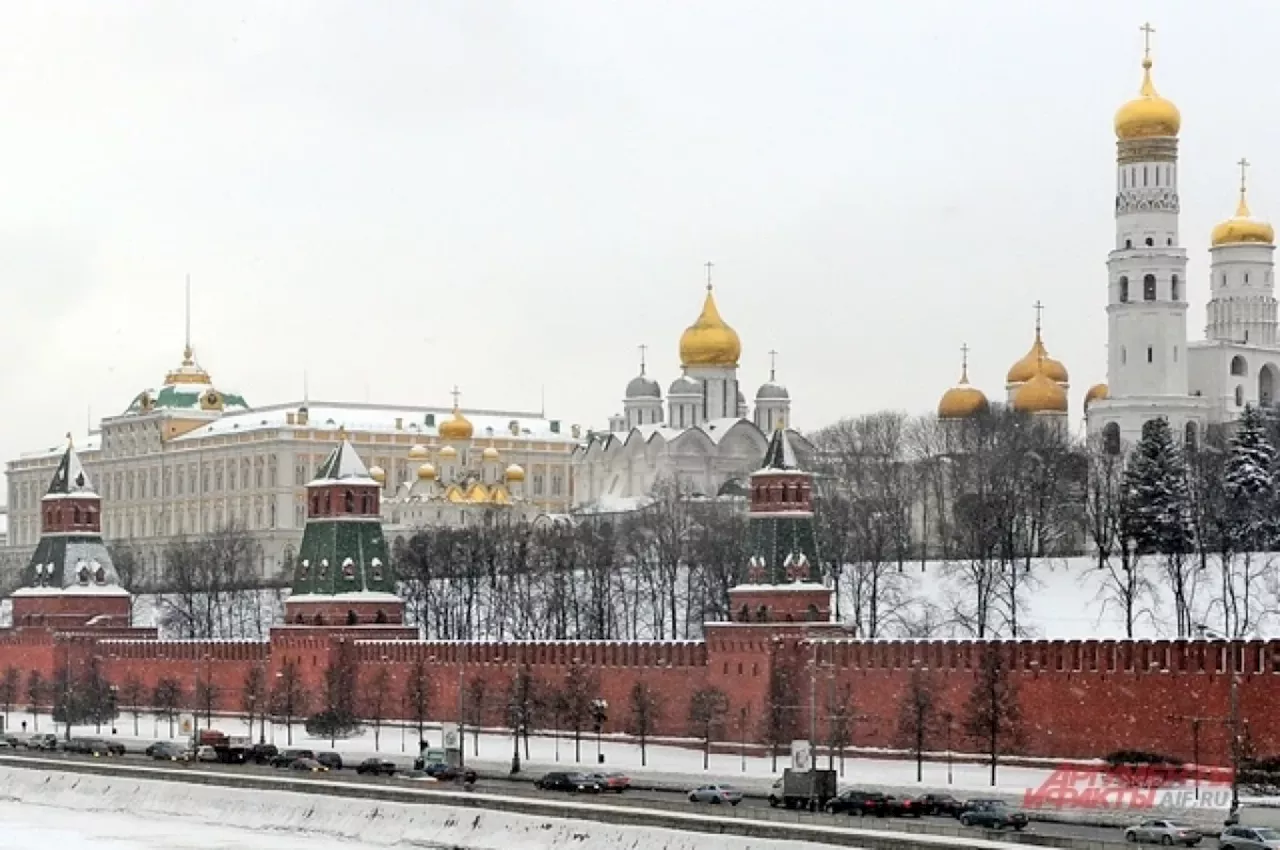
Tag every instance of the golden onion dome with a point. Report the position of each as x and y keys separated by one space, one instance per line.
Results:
x=426 y=472
x=457 y=428
x=419 y=452
x=709 y=341
x=963 y=400
x=448 y=452
x=1041 y=394
x=1243 y=228
x=378 y=474
x=515 y=472
x=1097 y=392
x=1034 y=362
x=490 y=453
x=1148 y=115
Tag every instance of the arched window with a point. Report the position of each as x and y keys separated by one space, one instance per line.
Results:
x=1111 y=438
x=1124 y=289
x=380 y=617
x=812 y=613
x=1267 y=385
x=352 y=617
x=1150 y=242
x=1239 y=366
x=1149 y=288
x=319 y=620
x=349 y=501
x=1189 y=438
x=75 y=514
x=1150 y=354
x=1128 y=243
x=1239 y=396
x=762 y=614
x=1173 y=289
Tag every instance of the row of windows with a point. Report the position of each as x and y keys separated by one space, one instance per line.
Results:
x=1111 y=437
x=1150 y=242
x=1151 y=354
x=1150 y=175
x=1149 y=288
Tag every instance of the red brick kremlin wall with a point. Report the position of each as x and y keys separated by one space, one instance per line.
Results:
x=1078 y=699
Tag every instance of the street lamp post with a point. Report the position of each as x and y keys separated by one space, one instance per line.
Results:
x=742 y=729
x=599 y=714
x=947 y=718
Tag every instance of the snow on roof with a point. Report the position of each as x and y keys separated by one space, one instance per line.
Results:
x=343 y=464
x=87 y=445
x=780 y=455
x=70 y=478
x=807 y=586
x=356 y=417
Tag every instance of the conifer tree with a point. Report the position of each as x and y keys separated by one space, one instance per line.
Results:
x=1250 y=487
x=1158 y=511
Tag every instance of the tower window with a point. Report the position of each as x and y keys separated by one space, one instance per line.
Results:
x=1246 y=277
x=1111 y=438
x=1128 y=243
x=1173 y=288
x=1169 y=241
x=1124 y=289
x=1150 y=242
x=1144 y=175
x=1124 y=355
x=1175 y=354
x=1149 y=288
x=1189 y=438
x=1239 y=396
x=1150 y=354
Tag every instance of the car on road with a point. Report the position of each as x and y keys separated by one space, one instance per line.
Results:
x=262 y=753
x=103 y=747
x=166 y=751
x=377 y=767
x=993 y=815
x=45 y=741
x=616 y=782
x=560 y=780
x=206 y=753
x=940 y=804
x=450 y=773
x=1249 y=838
x=285 y=758
x=331 y=760
x=308 y=765
x=853 y=802
x=10 y=741
x=1167 y=832
x=716 y=794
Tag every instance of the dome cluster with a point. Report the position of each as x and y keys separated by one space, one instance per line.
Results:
x=1037 y=384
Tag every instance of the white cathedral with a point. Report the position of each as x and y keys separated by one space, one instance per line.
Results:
x=1153 y=370
x=704 y=436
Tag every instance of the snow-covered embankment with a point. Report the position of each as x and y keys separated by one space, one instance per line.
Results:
x=366 y=823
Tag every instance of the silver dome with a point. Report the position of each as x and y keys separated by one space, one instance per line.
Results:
x=684 y=385
x=642 y=386
x=772 y=390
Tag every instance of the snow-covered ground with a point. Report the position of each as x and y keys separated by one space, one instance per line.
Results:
x=122 y=813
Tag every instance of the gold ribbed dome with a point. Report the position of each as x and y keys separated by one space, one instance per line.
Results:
x=709 y=341
x=1041 y=394
x=1097 y=392
x=457 y=428
x=1035 y=361
x=962 y=400
x=419 y=452
x=448 y=452
x=378 y=474
x=1242 y=227
x=490 y=453
x=515 y=472
x=1148 y=115
x=426 y=472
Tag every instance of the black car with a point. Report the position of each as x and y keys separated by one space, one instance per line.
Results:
x=331 y=760
x=993 y=815
x=376 y=767
x=263 y=753
x=285 y=758
x=565 y=781
x=940 y=804
x=859 y=803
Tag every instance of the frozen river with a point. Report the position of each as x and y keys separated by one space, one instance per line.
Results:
x=26 y=826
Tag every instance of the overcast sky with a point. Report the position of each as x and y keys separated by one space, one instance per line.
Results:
x=399 y=196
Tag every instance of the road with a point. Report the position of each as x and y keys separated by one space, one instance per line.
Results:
x=498 y=784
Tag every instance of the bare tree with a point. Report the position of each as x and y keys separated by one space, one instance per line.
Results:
x=253 y=700
x=373 y=701
x=289 y=697
x=581 y=685
x=840 y=720
x=992 y=714
x=204 y=697
x=36 y=689
x=916 y=714
x=780 y=706
x=10 y=690
x=645 y=713
x=166 y=699
x=417 y=696
x=476 y=706
x=707 y=709
x=1126 y=586
x=522 y=700
x=133 y=694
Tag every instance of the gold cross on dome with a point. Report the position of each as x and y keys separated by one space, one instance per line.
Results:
x=455 y=393
x=964 y=355
x=1147 y=31
x=709 y=266
x=773 y=363
x=643 y=348
x=1039 y=308
x=1244 y=164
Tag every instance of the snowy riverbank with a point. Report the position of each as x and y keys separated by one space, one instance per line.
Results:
x=139 y=813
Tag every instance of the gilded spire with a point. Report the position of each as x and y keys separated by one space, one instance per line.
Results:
x=964 y=363
x=1148 y=115
x=1242 y=209
x=1242 y=227
x=709 y=341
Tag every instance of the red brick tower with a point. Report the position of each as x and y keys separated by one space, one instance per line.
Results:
x=70 y=581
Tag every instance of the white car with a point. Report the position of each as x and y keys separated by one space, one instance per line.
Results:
x=206 y=753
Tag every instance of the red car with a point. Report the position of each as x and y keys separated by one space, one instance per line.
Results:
x=615 y=782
